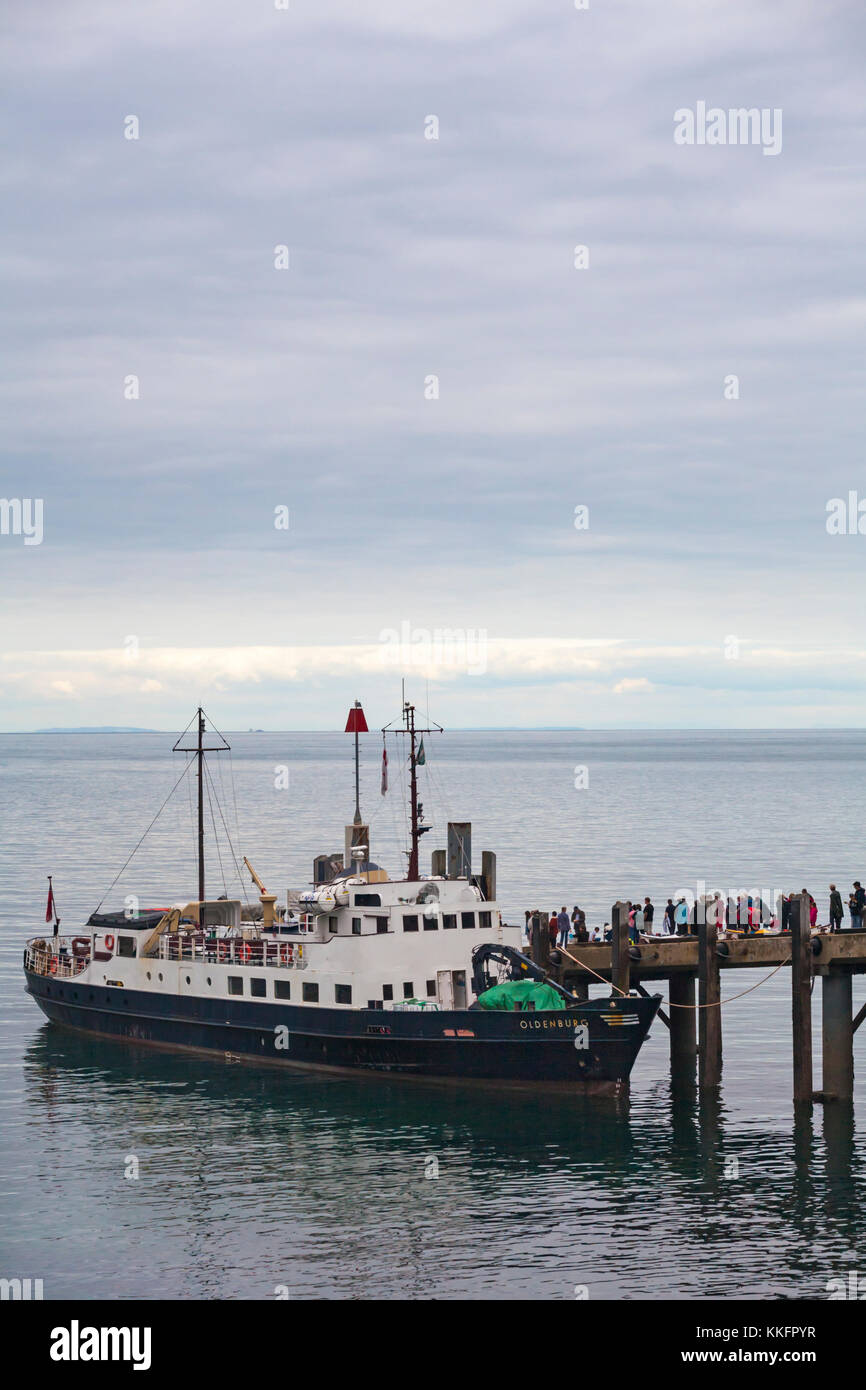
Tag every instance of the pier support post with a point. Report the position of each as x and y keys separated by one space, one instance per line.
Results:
x=837 y=1036
x=683 y=1026
x=709 y=995
x=619 y=944
x=801 y=997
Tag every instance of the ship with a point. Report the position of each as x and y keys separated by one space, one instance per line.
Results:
x=415 y=976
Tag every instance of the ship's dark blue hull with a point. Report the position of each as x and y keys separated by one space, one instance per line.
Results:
x=587 y=1048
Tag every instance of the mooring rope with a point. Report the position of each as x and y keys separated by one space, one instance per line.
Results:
x=668 y=1003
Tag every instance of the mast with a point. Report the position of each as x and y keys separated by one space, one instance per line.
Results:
x=409 y=711
x=200 y=760
x=357 y=833
x=415 y=817
x=199 y=750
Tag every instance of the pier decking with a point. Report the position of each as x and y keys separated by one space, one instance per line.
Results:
x=692 y=966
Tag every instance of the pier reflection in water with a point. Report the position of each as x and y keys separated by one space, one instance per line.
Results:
x=255 y=1182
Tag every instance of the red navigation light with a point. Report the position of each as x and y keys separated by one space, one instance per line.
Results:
x=356 y=723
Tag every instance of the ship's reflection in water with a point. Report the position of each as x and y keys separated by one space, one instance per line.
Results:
x=253 y=1184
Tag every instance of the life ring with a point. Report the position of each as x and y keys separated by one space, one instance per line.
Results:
x=52 y=966
x=109 y=943
x=245 y=952
x=285 y=952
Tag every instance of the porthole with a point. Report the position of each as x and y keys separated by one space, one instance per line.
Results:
x=160 y=977
x=208 y=979
x=187 y=979
x=148 y=974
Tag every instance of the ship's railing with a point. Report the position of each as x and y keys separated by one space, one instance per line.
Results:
x=55 y=955
x=230 y=950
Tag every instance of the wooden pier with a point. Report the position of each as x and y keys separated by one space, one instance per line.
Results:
x=692 y=966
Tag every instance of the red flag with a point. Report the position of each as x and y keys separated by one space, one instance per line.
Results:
x=356 y=723
x=384 y=787
x=49 y=910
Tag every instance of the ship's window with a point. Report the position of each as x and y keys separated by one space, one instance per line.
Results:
x=368 y=900
x=431 y=989
x=126 y=945
x=356 y=926
x=282 y=989
x=310 y=994
x=332 y=924
x=236 y=984
x=449 y=921
x=342 y=994
x=467 y=919
x=258 y=988
x=408 y=989
x=410 y=923
x=187 y=979
x=208 y=979
x=381 y=925
x=431 y=923
x=484 y=919
x=387 y=991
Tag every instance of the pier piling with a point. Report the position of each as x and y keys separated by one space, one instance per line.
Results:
x=709 y=996
x=801 y=998
x=619 y=945
x=683 y=1026
x=837 y=1036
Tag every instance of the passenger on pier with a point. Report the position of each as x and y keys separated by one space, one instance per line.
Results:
x=563 y=923
x=598 y=934
x=553 y=928
x=856 y=904
x=681 y=917
x=648 y=915
x=669 y=923
x=786 y=914
x=835 y=908
x=578 y=921
x=635 y=923
x=813 y=908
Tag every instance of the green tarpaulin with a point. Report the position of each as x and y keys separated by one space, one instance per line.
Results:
x=521 y=994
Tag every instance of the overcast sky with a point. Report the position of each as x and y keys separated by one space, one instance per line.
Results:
x=706 y=589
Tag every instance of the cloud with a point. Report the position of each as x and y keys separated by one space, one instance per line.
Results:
x=633 y=685
x=410 y=257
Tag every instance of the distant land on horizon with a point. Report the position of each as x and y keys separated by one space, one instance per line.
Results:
x=98 y=729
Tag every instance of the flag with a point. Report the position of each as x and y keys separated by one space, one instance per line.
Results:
x=384 y=786
x=49 y=910
x=422 y=756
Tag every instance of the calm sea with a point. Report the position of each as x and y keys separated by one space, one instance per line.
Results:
x=249 y=1182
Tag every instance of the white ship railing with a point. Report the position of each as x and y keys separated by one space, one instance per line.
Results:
x=54 y=956
x=227 y=950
